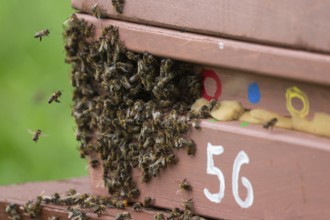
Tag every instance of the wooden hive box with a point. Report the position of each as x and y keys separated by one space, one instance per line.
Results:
x=239 y=171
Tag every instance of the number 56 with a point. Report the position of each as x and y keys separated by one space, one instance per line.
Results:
x=240 y=159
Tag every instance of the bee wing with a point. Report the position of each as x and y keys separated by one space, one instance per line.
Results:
x=30 y=131
x=44 y=135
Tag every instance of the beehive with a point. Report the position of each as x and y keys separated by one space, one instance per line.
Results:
x=239 y=170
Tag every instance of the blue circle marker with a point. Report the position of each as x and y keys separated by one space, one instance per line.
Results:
x=254 y=93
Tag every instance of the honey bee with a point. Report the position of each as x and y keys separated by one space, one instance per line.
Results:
x=132 y=56
x=99 y=210
x=11 y=209
x=94 y=163
x=159 y=216
x=188 y=204
x=270 y=124
x=97 y=11
x=76 y=214
x=147 y=201
x=123 y=216
x=175 y=213
x=184 y=185
x=36 y=135
x=41 y=34
x=195 y=123
x=137 y=207
x=54 y=97
x=118 y=5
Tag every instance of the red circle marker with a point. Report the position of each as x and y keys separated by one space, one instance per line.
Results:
x=211 y=74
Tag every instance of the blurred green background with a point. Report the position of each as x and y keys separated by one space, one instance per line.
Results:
x=30 y=71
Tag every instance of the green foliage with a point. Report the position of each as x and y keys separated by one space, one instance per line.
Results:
x=30 y=71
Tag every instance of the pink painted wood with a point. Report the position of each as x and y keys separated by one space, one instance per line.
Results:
x=272 y=91
x=298 y=24
x=205 y=50
x=288 y=172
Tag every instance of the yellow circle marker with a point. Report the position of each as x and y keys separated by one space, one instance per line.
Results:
x=295 y=92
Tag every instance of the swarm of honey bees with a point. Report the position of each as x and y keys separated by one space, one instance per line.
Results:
x=78 y=203
x=132 y=110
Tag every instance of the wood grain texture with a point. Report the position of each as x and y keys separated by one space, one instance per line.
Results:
x=205 y=50
x=272 y=92
x=300 y=24
x=288 y=172
x=21 y=193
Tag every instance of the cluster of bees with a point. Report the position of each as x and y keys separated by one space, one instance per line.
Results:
x=78 y=203
x=132 y=110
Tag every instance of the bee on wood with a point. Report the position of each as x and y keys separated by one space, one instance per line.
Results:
x=137 y=207
x=11 y=209
x=184 y=185
x=270 y=124
x=188 y=204
x=195 y=123
x=32 y=209
x=54 y=97
x=76 y=214
x=118 y=5
x=123 y=216
x=41 y=34
x=94 y=163
x=175 y=213
x=147 y=201
x=99 y=210
x=97 y=11
x=159 y=216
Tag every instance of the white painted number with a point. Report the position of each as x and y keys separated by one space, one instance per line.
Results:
x=241 y=158
x=212 y=170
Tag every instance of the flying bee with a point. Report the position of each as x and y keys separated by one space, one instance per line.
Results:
x=41 y=34
x=270 y=124
x=54 y=97
x=36 y=134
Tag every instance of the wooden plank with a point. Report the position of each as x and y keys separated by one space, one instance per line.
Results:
x=234 y=85
x=219 y=52
x=288 y=172
x=20 y=194
x=300 y=24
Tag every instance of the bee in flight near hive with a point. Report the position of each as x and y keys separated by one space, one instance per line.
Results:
x=42 y=33
x=54 y=97
x=36 y=134
x=270 y=124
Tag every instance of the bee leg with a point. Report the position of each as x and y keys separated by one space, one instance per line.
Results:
x=58 y=101
x=40 y=38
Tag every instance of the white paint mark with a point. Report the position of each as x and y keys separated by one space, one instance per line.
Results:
x=221 y=45
x=212 y=170
x=242 y=158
